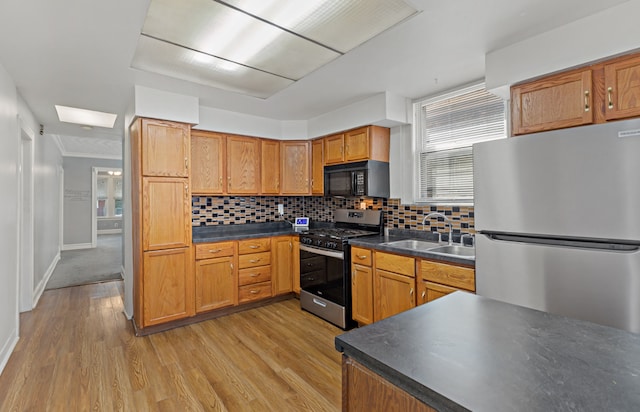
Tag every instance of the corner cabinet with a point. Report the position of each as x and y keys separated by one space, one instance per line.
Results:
x=296 y=167
x=161 y=202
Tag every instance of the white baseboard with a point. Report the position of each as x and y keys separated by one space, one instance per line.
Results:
x=77 y=246
x=43 y=283
x=7 y=349
x=109 y=231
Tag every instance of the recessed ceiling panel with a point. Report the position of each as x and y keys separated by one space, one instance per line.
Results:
x=339 y=24
x=221 y=31
x=170 y=60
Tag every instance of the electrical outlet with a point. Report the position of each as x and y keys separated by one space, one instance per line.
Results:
x=280 y=209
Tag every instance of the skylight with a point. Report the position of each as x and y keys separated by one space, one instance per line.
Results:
x=85 y=117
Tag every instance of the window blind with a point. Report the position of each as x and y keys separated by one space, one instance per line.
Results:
x=448 y=126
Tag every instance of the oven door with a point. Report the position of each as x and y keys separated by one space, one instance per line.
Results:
x=322 y=274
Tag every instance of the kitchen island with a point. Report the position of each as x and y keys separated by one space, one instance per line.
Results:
x=466 y=352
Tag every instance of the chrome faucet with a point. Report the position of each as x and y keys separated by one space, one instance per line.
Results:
x=446 y=219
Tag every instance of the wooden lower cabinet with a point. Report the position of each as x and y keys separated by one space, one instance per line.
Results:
x=437 y=279
x=428 y=291
x=283 y=265
x=362 y=293
x=396 y=293
x=365 y=391
x=216 y=283
x=167 y=286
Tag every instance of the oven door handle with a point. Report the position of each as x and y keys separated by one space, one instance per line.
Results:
x=329 y=253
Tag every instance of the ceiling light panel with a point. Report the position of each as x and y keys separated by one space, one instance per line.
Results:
x=170 y=60
x=339 y=24
x=85 y=117
x=212 y=28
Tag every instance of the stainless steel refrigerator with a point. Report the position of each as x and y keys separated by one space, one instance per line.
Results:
x=558 y=221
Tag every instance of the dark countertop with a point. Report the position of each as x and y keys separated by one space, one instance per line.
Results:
x=375 y=242
x=466 y=352
x=219 y=233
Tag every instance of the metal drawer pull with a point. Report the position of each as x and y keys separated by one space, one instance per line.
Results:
x=215 y=250
x=254 y=292
x=253 y=246
x=361 y=257
x=319 y=303
x=255 y=260
x=586 y=100
x=254 y=275
x=423 y=295
x=609 y=91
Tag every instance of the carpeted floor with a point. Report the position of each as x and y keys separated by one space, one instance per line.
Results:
x=79 y=267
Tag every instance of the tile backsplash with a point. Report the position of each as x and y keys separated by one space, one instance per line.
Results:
x=229 y=210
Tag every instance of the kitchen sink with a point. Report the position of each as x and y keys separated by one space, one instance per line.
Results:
x=463 y=251
x=411 y=244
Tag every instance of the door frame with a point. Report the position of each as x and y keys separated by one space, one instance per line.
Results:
x=94 y=201
x=26 y=224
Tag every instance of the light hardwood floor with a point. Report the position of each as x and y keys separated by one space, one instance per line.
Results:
x=78 y=352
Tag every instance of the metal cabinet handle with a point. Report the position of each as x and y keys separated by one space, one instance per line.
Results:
x=254 y=275
x=231 y=266
x=423 y=294
x=186 y=162
x=586 y=100
x=254 y=292
x=215 y=250
x=609 y=92
x=361 y=257
x=253 y=246
x=411 y=292
x=255 y=260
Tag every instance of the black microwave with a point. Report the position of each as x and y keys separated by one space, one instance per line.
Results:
x=368 y=178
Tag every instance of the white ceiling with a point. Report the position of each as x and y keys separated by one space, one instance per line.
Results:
x=78 y=53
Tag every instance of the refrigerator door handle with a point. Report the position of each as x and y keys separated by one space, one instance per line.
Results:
x=563 y=242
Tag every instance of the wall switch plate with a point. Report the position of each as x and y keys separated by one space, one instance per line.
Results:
x=280 y=209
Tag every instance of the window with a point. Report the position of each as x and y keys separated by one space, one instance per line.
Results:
x=445 y=128
x=109 y=194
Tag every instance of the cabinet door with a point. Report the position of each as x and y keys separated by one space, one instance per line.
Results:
x=317 y=167
x=450 y=275
x=553 y=102
x=165 y=148
x=296 y=168
x=243 y=165
x=428 y=291
x=166 y=213
x=167 y=286
x=270 y=166
x=216 y=284
x=295 y=263
x=362 y=293
x=622 y=88
x=395 y=294
x=282 y=279
x=334 y=149
x=207 y=163
x=356 y=144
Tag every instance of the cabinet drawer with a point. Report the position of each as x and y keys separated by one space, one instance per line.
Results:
x=254 y=275
x=361 y=256
x=395 y=263
x=254 y=245
x=456 y=276
x=254 y=292
x=214 y=250
x=254 y=259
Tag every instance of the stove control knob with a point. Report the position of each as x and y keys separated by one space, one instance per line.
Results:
x=306 y=241
x=319 y=242
x=332 y=245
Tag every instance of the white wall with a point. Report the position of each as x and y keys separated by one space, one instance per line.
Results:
x=9 y=155
x=78 y=203
x=610 y=32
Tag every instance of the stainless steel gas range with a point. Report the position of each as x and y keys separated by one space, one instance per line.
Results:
x=325 y=260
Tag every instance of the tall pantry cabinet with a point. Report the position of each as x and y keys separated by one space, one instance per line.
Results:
x=161 y=204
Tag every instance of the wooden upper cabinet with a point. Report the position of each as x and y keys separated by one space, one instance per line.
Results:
x=356 y=144
x=165 y=148
x=166 y=214
x=296 y=167
x=317 y=167
x=207 y=163
x=622 y=88
x=554 y=102
x=270 y=166
x=243 y=165
x=334 y=149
